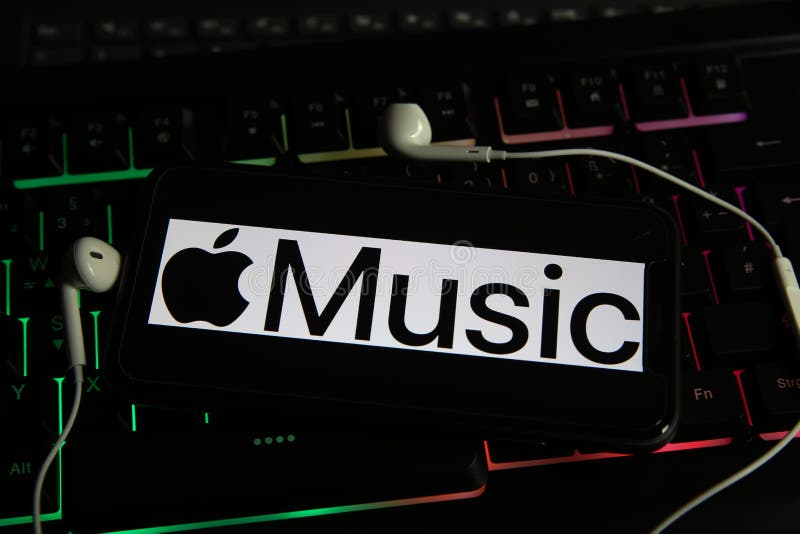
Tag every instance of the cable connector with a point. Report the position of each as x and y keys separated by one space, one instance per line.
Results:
x=790 y=291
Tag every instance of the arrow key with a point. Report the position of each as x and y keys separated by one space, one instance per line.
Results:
x=778 y=200
x=747 y=147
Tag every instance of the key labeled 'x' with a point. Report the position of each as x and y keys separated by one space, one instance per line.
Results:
x=92 y=384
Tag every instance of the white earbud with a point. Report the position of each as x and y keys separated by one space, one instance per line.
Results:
x=88 y=264
x=406 y=132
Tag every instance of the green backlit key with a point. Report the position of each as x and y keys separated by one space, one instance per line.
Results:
x=13 y=360
x=29 y=417
x=32 y=147
x=162 y=133
x=97 y=141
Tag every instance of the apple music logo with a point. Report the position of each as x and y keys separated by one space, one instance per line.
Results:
x=448 y=299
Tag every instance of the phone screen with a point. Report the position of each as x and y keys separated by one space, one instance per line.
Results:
x=456 y=300
x=518 y=317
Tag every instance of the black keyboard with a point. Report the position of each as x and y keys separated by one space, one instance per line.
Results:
x=705 y=92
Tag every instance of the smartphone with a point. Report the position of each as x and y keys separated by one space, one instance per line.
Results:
x=517 y=317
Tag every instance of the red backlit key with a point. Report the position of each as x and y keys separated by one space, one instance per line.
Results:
x=778 y=388
x=712 y=406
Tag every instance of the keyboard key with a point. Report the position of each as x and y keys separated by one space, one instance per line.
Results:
x=225 y=47
x=253 y=129
x=162 y=50
x=316 y=25
x=778 y=201
x=526 y=16
x=161 y=29
x=11 y=346
x=468 y=19
x=662 y=9
x=746 y=267
x=568 y=14
x=695 y=286
x=67 y=216
x=318 y=122
x=739 y=150
x=536 y=177
x=597 y=176
x=715 y=86
x=29 y=418
x=716 y=224
x=12 y=241
x=121 y=213
x=416 y=21
x=414 y=172
x=163 y=133
x=47 y=345
x=591 y=99
x=470 y=176
x=712 y=406
x=369 y=23
x=740 y=332
x=53 y=56
x=612 y=12
x=671 y=152
x=530 y=105
x=217 y=28
x=447 y=112
x=116 y=30
x=98 y=141
x=32 y=147
x=58 y=31
x=34 y=283
x=778 y=389
x=368 y=107
x=108 y=53
x=263 y=26
x=655 y=94
x=102 y=412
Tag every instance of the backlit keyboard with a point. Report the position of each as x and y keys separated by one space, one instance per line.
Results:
x=706 y=94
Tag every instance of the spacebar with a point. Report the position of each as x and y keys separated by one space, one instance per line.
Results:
x=138 y=480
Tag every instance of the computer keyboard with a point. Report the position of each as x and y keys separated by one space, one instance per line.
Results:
x=706 y=93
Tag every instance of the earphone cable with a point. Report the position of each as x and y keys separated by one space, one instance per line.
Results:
x=776 y=250
x=39 y=485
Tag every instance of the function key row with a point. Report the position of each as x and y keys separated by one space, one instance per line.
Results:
x=127 y=141
x=529 y=107
x=541 y=106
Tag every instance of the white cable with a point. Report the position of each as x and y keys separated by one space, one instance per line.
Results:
x=782 y=266
x=731 y=480
x=790 y=281
x=658 y=172
x=37 y=490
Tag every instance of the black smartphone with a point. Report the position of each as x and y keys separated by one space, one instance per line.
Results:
x=516 y=317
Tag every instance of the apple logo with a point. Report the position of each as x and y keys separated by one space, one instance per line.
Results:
x=204 y=286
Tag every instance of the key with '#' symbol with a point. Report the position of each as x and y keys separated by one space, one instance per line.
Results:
x=746 y=267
